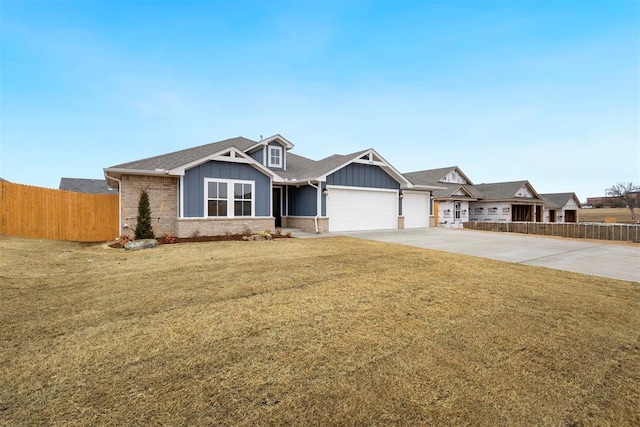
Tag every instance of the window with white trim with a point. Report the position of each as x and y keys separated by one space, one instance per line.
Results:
x=274 y=156
x=242 y=199
x=217 y=198
x=229 y=198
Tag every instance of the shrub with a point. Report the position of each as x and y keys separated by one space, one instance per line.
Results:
x=143 y=221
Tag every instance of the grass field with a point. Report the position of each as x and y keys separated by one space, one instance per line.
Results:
x=328 y=331
x=622 y=215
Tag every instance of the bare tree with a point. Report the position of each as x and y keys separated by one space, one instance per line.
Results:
x=628 y=193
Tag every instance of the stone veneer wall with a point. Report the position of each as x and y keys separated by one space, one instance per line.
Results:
x=306 y=223
x=190 y=227
x=432 y=221
x=163 y=200
x=400 y=223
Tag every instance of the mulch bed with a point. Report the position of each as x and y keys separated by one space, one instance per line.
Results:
x=225 y=238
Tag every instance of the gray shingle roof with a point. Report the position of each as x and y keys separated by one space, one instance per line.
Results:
x=500 y=190
x=81 y=185
x=2 y=179
x=298 y=167
x=182 y=157
x=428 y=177
x=434 y=176
x=302 y=168
x=558 y=200
x=451 y=187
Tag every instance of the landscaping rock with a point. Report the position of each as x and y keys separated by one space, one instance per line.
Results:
x=140 y=244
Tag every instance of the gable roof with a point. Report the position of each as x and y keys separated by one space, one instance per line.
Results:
x=504 y=190
x=3 y=180
x=298 y=168
x=434 y=176
x=303 y=169
x=559 y=200
x=179 y=158
x=448 y=189
x=90 y=186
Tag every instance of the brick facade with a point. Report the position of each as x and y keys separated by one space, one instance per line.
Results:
x=190 y=227
x=306 y=223
x=163 y=200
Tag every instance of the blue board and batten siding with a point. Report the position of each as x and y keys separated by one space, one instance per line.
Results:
x=258 y=155
x=194 y=186
x=360 y=175
x=302 y=201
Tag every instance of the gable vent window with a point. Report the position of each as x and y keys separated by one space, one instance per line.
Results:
x=275 y=157
x=226 y=198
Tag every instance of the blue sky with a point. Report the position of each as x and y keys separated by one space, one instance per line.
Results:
x=547 y=91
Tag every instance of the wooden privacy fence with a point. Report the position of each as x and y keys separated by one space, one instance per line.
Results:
x=28 y=211
x=598 y=231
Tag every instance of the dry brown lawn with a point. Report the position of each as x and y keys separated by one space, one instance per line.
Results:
x=329 y=331
x=622 y=215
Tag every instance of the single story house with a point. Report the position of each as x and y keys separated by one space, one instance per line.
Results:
x=240 y=185
x=507 y=201
x=561 y=207
x=89 y=186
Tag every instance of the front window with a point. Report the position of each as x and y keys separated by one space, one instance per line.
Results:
x=242 y=199
x=275 y=157
x=230 y=199
x=217 y=199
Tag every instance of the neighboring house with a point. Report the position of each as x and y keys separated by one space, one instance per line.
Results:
x=239 y=185
x=461 y=201
x=507 y=201
x=90 y=186
x=3 y=180
x=453 y=198
x=560 y=207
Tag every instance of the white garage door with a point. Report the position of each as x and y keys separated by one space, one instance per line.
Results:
x=415 y=209
x=351 y=209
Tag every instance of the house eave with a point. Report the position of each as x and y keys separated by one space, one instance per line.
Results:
x=423 y=187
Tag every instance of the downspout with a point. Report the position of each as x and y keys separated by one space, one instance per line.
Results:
x=318 y=203
x=119 y=202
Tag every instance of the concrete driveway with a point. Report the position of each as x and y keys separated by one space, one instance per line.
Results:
x=587 y=257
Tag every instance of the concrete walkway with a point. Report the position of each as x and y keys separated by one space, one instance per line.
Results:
x=581 y=256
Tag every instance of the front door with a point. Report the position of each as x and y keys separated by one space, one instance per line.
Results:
x=456 y=211
x=276 y=199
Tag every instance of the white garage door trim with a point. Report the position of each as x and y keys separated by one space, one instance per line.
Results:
x=415 y=209
x=358 y=208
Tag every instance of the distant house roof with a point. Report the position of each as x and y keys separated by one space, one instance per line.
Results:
x=433 y=176
x=504 y=190
x=81 y=185
x=559 y=200
x=2 y=179
x=449 y=190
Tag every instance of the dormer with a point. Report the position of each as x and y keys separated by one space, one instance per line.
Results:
x=272 y=152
